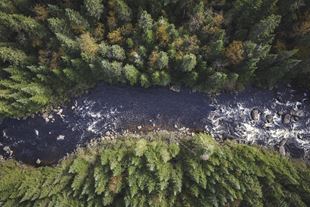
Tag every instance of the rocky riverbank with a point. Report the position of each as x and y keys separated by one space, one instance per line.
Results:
x=279 y=119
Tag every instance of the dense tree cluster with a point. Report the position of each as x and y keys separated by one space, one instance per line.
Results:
x=50 y=50
x=157 y=171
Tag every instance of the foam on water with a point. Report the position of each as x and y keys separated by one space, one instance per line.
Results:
x=235 y=121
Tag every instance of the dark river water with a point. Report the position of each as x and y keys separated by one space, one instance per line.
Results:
x=279 y=119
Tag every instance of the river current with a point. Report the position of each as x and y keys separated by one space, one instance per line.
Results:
x=278 y=119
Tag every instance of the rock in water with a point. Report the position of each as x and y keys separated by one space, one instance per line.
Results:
x=282 y=150
x=38 y=162
x=8 y=150
x=287 y=119
x=61 y=137
x=176 y=89
x=255 y=114
x=269 y=119
x=300 y=113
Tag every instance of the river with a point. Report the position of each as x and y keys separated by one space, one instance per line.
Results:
x=277 y=119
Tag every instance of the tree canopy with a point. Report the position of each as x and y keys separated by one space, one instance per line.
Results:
x=53 y=49
x=160 y=170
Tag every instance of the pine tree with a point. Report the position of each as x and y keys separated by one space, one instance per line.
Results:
x=88 y=45
x=159 y=60
x=20 y=23
x=145 y=81
x=122 y=10
x=187 y=62
x=131 y=74
x=277 y=67
x=77 y=22
x=95 y=8
x=235 y=52
x=263 y=32
x=216 y=81
x=116 y=53
x=13 y=56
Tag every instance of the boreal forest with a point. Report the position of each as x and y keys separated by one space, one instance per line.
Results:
x=54 y=51
x=51 y=50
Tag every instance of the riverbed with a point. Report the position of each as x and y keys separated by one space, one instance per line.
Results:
x=271 y=118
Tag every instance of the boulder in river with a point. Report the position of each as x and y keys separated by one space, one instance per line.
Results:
x=297 y=114
x=8 y=150
x=176 y=89
x=282 y=150
x=300 y=113
x=287 y=119
x=38 y=161
x=255 y=115
x=296 y=118
x=269 y=119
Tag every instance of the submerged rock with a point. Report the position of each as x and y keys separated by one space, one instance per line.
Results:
x=269 y=119
x=255 y=115
x=282 y=150
x=8 y=150
x=300 y=113
x=176 y=89
x=287 y=119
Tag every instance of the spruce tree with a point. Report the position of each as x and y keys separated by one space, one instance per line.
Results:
x=95 y=8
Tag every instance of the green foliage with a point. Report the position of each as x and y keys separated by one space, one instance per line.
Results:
x=116 y=53
x=187 y=62
x=279 y=65
x=206 y=45
x=13 y=56
x=263 y=32
x=193 y=171
x=21 y=23
x=77 y=22
x=94 y=8
x=131 y=74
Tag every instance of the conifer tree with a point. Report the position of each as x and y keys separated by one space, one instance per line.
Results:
x=131 y=74
x=13 y=56
x=263 y=32
x=187 y=62
x=94 y=8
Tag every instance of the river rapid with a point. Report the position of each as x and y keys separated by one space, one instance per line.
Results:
x=278 y=119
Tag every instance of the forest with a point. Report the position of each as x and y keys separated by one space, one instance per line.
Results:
x=53 y=50
x=158 y=171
